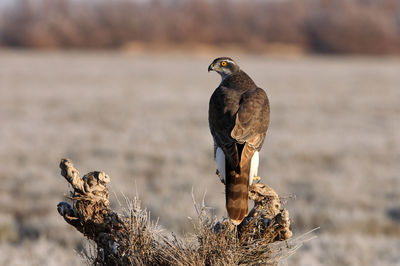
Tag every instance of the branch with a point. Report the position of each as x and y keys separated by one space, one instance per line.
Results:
x=90 y=213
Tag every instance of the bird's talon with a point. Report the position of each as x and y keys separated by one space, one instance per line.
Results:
x=257 y=178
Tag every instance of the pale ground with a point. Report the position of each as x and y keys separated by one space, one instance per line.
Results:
x=334 y=143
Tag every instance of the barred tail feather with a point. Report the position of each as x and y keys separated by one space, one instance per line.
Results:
x=237 y=194
x=238 y=181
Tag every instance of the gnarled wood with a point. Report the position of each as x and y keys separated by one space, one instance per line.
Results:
x=132 y=240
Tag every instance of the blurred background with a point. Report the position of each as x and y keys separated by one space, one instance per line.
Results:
x=122 y=86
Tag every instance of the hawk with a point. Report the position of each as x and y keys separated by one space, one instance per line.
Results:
x=238 y=117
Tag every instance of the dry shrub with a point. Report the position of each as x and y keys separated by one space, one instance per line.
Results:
x=341 y=26
x=132 y=239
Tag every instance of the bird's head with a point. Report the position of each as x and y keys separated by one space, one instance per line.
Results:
x=224 y=66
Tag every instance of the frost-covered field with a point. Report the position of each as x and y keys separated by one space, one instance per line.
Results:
x=334 y=142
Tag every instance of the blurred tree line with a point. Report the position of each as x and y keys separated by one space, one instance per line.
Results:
x=322 y=26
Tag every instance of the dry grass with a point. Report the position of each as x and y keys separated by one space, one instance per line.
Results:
x=209 y=244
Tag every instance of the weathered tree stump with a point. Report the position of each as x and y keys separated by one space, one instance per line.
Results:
x=130 y=239
x=90 y=213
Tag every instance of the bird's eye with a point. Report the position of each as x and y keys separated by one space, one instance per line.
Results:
x=223 y=63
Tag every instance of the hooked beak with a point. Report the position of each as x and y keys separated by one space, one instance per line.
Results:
x=211 y=67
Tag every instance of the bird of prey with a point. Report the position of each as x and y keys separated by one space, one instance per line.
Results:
x=238 y=117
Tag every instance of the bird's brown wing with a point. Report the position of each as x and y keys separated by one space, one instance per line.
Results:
x=252 y=118
x=251 y=124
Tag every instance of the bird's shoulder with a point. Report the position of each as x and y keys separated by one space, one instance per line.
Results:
x=254 y=103
x=256 y=96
